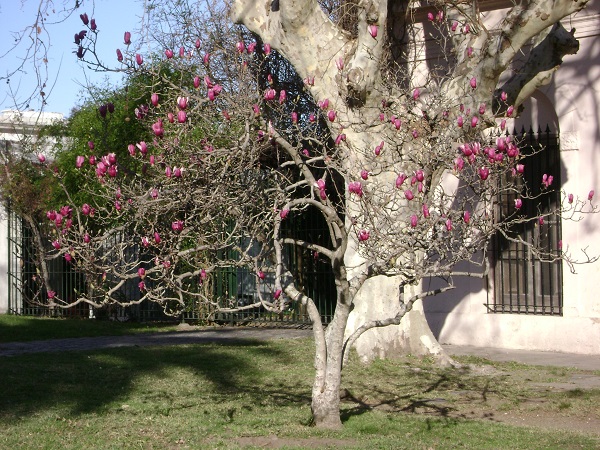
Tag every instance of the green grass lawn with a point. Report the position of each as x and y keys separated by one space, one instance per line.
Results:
x=20 y=328
x=252 y=396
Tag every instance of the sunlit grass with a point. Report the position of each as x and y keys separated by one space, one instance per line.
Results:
x=20 y=328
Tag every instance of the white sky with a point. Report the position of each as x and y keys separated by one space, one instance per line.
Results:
x=66 y=74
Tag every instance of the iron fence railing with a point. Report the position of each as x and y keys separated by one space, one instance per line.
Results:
x=230 y=287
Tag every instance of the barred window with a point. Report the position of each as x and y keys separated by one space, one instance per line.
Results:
x=522 y=283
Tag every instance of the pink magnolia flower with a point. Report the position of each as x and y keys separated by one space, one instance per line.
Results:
x=448 y=225
x=139 y=59
x=86 y=238
x=372 y=28
x=127 y=38
x=196 y=82
x=503 y=96
x=68 y=257
x=240 y=47
x=363 y=235
x=169 y=53
x=145 y=241
x=503 y=124
x=484 y=173
x=413 y=220
x=518 y=203
x=282 y=96
x=294 y=116
x=251 y=47
x=270 y=94
x=142 y=286
x=408 y=194
x=416 y=94
x=51 y=215
x=400 y=180
x=66 y=211
x=474 y=121
x=267 y=49
x=510 y=110
x=84 y=18
x=177 y=226
x=56 y=244
x=41 y=158
x=284 y=213
x=181 y=116
x=141 y=272
x=340 y=138
x=119 y=55
x=51 y=294
x=467 y=216
x=469 y=51
x=157 y=128
x=277 y=294
x=197 y=43
x=260 y=274
x=323 y=104
x=460 y=121
x=182 y=102
x=482 y=109
x=520 y=168
x=459 y=164
x=570 y=198
x=331 y=114
x=541 y=220
x=454 y=26
x=118 y=206
x=355 y=187
x=79 y=162
x=364 y=174
x=143 y=147
x=206 y=59
x=156 y=238
x=425 y=211
x=473 y=82
x=430 y=16
x=339 y=63
x=591 y=195
x=86 y=209
x=154 y=99
x=420 y=175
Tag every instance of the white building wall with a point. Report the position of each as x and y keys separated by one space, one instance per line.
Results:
x=461 y=317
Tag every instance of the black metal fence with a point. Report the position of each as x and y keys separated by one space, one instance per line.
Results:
x=230 y=287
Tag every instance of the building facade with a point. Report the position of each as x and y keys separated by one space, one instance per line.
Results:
x=521 y=304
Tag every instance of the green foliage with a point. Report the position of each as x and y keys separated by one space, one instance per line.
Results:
x=26 y=186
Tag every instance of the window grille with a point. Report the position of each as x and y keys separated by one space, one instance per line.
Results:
x=522 y=283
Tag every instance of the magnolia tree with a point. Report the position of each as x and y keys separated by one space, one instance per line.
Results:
x=396 y=158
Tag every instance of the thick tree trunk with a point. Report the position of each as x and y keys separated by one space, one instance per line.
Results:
x=328 y=363
x=379 y=298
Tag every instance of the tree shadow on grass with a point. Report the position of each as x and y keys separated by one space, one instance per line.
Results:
x=426 y=392
x=79 y=383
